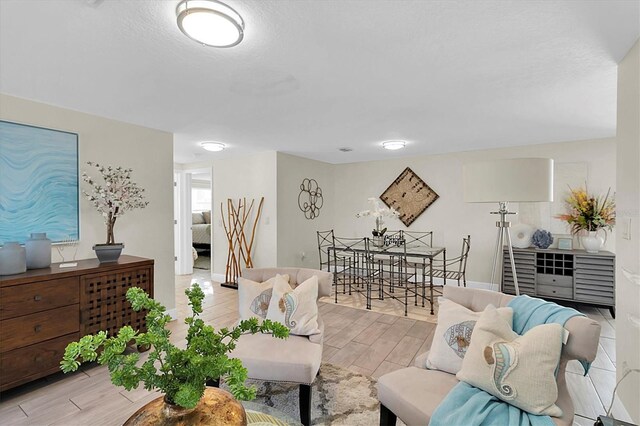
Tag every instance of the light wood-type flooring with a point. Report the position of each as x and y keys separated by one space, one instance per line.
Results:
x=368 y=342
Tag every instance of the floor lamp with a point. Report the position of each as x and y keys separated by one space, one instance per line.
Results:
x=504 y=181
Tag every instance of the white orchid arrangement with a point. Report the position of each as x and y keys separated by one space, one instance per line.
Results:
x=116 y=196
x=378 y=213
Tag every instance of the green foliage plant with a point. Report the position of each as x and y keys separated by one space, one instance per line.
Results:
x=181 y=374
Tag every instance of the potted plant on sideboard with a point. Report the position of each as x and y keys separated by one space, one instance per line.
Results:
x=588 y=214
x=112 y=198
x=180 y=374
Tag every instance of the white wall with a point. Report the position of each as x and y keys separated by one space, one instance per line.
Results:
x=450 y=217
x=296 y=234
x=249 y=177
x=148 y=232
x=628 y=218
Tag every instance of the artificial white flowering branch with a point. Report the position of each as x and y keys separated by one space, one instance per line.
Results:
x=378 y=212
x=117 y=195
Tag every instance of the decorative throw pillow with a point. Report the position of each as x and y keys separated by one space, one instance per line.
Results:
x=254 y=298
x=453 y=335
x=296 y=308
x=519 y=370
x=207 y=216
x=197 y=219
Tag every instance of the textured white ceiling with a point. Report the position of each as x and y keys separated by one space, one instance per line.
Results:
x=312 y=76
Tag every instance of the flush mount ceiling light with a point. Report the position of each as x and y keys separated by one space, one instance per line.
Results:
x=210 y=22
x=213 y=146
x=393 y=145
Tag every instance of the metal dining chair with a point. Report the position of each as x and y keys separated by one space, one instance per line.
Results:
x=325 y=242
x=393 y=277
x=419 y=266
x=455 y=268
x=353 y=266
x=418 y=239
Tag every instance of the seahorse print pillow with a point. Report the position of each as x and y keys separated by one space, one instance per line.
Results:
x=453 y=335
x=254 y=297
x=295 y=308
x=519 y=370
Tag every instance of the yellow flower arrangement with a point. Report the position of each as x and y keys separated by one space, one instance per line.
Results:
x=588 y=212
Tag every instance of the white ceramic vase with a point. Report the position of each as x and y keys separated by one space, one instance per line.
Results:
x=38 y=249
x=13 y=259
x=592 y=242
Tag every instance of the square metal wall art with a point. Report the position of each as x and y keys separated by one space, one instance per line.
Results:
x=409 y=195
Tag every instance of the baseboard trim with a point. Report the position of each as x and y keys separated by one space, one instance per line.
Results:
x=482 y=285
x=470 y=284
x=220 y=278
x=217 y=277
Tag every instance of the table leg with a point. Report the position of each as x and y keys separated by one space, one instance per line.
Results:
x=424 y=284
x=444 y=267
x=415 y=286
x=431 y=283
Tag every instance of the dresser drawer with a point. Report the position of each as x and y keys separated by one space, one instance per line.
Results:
x=552 y=291
x=26 y=299
x=29 y=329
x=554 y=280
x=26 y=364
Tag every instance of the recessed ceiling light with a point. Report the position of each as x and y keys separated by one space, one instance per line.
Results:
x=213 y=146
x=393 y=145
x=210 y=22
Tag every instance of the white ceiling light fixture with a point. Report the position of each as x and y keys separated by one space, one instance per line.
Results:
x=213 y=146
x=393 y=145
x=210 y=22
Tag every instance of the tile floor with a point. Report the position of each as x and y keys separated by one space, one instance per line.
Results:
x=368 y=342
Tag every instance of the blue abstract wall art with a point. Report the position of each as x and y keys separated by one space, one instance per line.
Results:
x=38 y=183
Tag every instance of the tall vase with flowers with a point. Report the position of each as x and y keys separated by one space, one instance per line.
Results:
x=588 y=214
x=112 y=198
x=379 y=213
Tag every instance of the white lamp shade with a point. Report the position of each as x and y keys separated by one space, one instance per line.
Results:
x=515 y=180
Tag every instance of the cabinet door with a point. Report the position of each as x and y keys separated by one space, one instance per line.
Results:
x=103 y=303
x=595 y=279
x=525 y=270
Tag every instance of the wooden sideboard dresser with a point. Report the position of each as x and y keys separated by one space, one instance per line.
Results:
x=570 y=275
x=43 y=310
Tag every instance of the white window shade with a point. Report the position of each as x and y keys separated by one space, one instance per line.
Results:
x=510 y=180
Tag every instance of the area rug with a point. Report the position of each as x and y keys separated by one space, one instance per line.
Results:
x=388 y=306
x=339 y=397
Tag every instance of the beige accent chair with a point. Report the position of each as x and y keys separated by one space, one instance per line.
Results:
x=413 y=393
x=294 y=360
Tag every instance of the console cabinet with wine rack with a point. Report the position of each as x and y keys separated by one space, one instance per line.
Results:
x=570 y=275
x=43 y=310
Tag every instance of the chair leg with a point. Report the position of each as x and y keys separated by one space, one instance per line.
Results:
x=305 y=404
x=387 y=418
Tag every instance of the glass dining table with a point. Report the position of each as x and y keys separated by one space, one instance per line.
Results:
x=391 y=269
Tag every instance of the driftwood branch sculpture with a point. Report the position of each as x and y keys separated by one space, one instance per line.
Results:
x=239 y=248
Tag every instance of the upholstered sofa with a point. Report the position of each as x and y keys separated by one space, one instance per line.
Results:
x=294 y=360
x=413 y=393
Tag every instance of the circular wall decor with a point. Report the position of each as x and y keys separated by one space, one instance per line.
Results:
x=310 y=198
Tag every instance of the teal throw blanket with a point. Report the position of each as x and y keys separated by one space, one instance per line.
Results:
x=470 y=406
x=529 y=312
